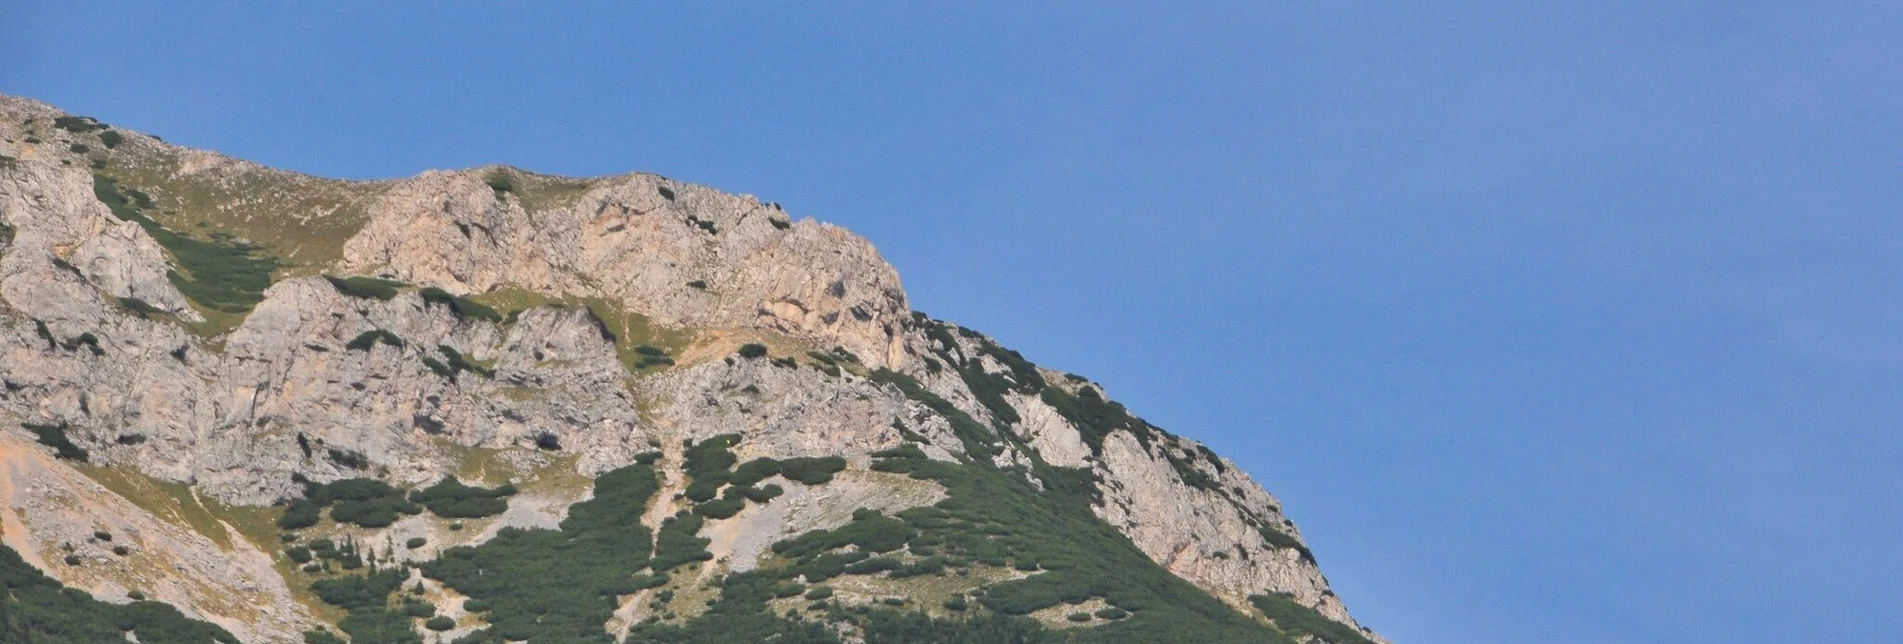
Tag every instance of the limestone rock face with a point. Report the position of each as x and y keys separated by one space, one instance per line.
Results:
x=50 y=511
x=413 y=385
x=683 y=254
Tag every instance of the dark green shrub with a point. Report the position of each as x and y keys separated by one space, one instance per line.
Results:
x=1078 y=617
x=1301 y=621
x=139 y=307
x=439 y=623
x=440 y=368
x=348 y=458
x=366 y=502
x=321 y=637
x=111 y=139
x=679 y=543
x=121 y=550
x=760 y=494
x=752 y=350
x=978 y=440
x=499 y=182
x=818 y=593
x=812 y=471
x=364 y=341
x=455 y=363
x=54 y=436
x=873 y=565
x=37 y=608
x=88 y=340
x=415 y=542
x=368 y=288
x=558 y=585
x=720 y=509
x=1112 y=613
x=76 y=124
x=300 y=514
x=1278 y=539
x=464 y=308
x=870 y=531
x=451 y=499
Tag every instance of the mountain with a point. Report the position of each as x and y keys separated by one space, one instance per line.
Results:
x=244 y=404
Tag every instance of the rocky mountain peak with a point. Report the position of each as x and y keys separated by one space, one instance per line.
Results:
x=317 y=379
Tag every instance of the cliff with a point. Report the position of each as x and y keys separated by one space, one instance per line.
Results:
x=222 y=339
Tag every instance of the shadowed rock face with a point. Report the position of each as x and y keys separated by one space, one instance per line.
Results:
x=590 y=281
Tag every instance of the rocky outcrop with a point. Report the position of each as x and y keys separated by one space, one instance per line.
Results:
x=318 y=383
x=684 y=255
x=92 y=537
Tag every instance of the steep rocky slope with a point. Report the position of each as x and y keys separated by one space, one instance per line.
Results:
x=218 y=348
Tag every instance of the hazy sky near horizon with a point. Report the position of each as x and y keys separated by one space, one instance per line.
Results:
x=1563 y=324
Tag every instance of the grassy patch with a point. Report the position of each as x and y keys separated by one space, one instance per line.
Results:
x=174 y=503
x=303 y=221
x=500 y=182
x=511 y=302
x=221 y=274
x=540 y=192
x=629 y=331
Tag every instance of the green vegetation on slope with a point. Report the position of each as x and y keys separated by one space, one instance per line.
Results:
x=463 y=308
x=563 y=585
x=369 y=288
x=366 y=502
x=303 y=221
x=224 y=274
x=1301 y=621
x=559 y=585
x=454 y=500
x=37 y=609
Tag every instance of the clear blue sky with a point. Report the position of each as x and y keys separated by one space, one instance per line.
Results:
x=1549 y=325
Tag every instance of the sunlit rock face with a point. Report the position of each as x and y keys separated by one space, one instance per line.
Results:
x=532 y=324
